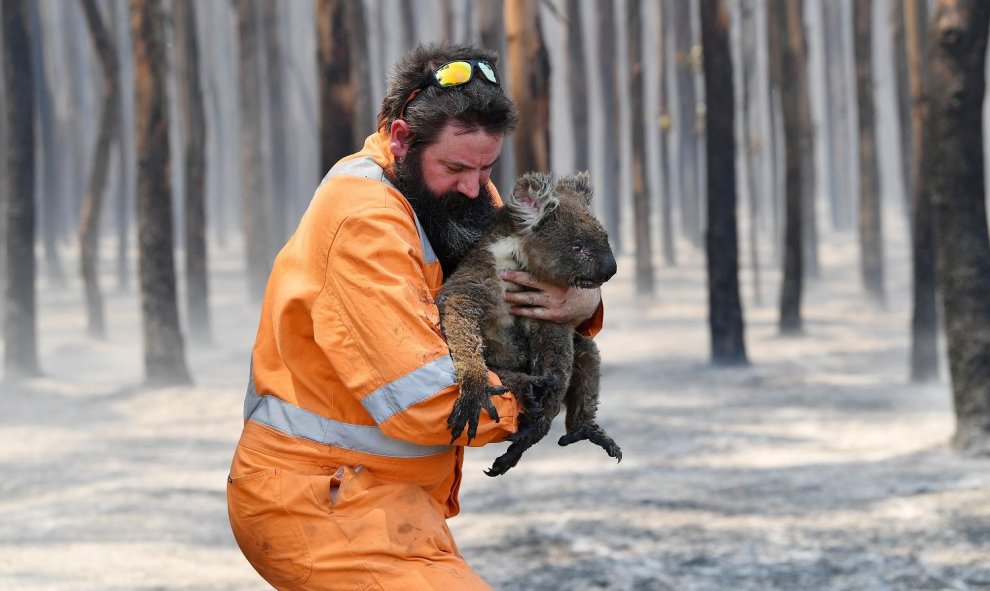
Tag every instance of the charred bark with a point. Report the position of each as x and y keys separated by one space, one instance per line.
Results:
x=686 y=57
x=337 y=88
x=164 y=350
x=750 y=141
x=645 y=284
x=721 y=241
x=957 y=48
x=529 y=84
x=256 y=231
x=870 y=221
x=577 y=86
x=924 y=317
x=611 y=124
x=92 y=206
x=20 y=316
x=837 y=109
x=788 y=18
x=194 y=133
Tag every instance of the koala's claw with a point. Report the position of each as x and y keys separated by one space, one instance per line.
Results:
x=596 y=435
x=467 y=411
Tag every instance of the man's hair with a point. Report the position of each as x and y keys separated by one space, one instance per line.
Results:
x=478 y=104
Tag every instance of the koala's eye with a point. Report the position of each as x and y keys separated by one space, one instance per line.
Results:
x=577 y=247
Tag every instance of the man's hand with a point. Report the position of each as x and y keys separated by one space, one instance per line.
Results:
x=549 y=301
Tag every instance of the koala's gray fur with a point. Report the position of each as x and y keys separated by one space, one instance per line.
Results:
x=547 y=229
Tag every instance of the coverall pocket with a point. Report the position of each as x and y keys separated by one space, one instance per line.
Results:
x=268 y=535
x=395 y=519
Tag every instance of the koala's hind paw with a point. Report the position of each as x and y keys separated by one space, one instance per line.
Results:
x=596 y=435
x=467 y=410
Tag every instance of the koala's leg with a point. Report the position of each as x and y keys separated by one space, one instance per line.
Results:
x=582 y=399
x=526 y=387
x=552 y=349
x=461 y=315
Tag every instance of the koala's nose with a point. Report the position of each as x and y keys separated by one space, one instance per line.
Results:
x=608 y=266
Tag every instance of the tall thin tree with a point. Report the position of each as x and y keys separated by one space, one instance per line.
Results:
x=924 y=319
x=194 y=133
x=667 y=245
x=336 y=81
x=529 y=83
x=92 y=207
x=258 y=251
x=645 y=283
x=577 y=86
x=685 y=121
x=954 y=165
x=786 y=14
x=20 y=317
x=837 y=175
x=164 y=350
x=721 y=241
x=870 y=221
x=610 y=123
x=751 y=144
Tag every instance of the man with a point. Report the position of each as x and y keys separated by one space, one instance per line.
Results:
x=344 y=474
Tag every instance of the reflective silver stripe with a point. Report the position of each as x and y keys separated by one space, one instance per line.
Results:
x=367 y=168
x=292 y=420
x=416 y=386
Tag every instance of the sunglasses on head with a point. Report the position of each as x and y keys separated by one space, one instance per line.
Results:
x=453 y=73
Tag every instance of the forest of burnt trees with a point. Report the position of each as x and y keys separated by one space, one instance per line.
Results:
x=138 y=135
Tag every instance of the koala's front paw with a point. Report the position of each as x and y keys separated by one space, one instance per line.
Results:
x=468 y=407
x=596 y=435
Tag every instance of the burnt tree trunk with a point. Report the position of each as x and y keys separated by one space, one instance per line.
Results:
x=124 y=145
x=797 y=41
x=750 y=140
x=337 y=88
x=20 y=317
x=776 y=144
x=55 y=149
x=279 y=121
x=903 y=95
x=645 y=284
x=256 y=230
x=667 y=245
x=492 y=28
x=786 y=14
x=721 y=242
x=870 y=228
x=611 y=124
x=924 y=317
x=954 y=166
x=92 y=206
x=577 y=85
x=686 y=58
x=529 y=84
x=194 y=133
x=164 y=350
x=837 y=109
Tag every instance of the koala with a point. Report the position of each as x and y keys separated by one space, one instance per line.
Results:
x=547 y=229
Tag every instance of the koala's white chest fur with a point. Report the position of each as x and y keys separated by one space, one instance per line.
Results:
x=509 y=256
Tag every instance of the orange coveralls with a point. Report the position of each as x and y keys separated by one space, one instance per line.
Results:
x=344 y=474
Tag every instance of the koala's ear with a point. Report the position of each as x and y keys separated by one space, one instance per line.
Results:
x=533 y=198
x=580 y=184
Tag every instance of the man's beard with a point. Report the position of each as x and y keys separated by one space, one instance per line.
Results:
x=453 y=222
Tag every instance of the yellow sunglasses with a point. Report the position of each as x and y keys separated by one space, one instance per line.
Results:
x=454 y=74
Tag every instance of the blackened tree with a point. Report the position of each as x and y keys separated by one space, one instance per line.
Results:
x=721 y=241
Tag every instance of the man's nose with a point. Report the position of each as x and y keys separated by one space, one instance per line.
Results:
x=469 y=186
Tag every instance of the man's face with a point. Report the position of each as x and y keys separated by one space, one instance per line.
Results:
x=445 y=183
x=460 y=161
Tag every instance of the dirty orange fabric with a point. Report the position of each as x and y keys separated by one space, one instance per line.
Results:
x=348 y=320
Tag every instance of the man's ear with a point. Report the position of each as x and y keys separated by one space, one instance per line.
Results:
x=400 y=138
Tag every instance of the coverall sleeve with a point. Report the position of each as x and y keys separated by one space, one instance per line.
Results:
x=377 y=299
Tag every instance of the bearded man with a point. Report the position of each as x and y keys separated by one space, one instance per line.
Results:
x=344 y=475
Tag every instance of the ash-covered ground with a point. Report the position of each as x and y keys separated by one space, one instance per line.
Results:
x=816 y=467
